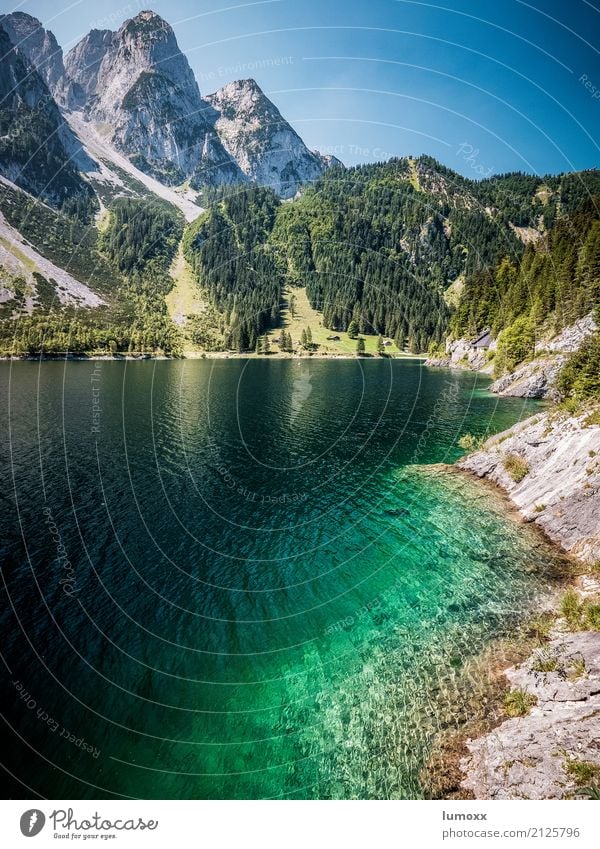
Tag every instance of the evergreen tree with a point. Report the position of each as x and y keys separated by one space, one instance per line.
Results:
x=360 y=347
x=353 y=329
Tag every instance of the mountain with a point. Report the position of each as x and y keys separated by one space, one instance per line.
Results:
x=267 y=149
x=42 y=50
x=138 y=92
x=140 y=85
x=38 y=151
x=82 y=63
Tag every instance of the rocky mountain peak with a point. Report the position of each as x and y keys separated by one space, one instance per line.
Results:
x=82 y=63
x=244 y=98
x=265 y=146
x=38 y=152
x=45 y=54
x=144 y=45
x=141 y=85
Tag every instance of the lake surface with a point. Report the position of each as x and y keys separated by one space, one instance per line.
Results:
x=243 y=578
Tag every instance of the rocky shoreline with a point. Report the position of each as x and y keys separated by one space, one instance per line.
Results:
x=533 y=379
x=551 y=751
x=539 y=738
x=549 y=467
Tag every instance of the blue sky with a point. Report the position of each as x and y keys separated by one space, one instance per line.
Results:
x=485 y=88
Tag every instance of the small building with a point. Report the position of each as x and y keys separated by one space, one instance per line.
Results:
x=387 y=343
x=333 y=338
x=483 y=341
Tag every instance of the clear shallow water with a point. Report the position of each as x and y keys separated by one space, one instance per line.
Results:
x=249 y=581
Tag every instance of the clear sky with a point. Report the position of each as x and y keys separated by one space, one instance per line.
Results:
x=483 y=87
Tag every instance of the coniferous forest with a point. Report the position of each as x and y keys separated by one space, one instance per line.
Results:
x=407 y=249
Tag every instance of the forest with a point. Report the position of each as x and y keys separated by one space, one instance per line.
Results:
x=408 y=250
x=127 y=261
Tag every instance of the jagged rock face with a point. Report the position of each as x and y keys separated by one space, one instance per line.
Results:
x=42 y=50
x=82 y=63
x=138 y=85
x=572 y=337
x=38 y=151
x=263 y=144
x=145 y=90
x=533 y=380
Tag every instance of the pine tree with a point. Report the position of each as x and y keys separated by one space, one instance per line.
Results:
x=360 y=347
x=353 y=329
x=380 y=346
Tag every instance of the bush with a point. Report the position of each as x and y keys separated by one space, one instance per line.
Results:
x=570 y=608
x=545 y=661
x=540 y=627
x=516 y=467
x=470 y=442
x=583 y=772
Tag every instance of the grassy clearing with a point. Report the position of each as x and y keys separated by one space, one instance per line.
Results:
x=28 y=263
x=190 y=311
x=305 y=316
x=185 y=297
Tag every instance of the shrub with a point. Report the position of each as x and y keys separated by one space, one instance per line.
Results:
x=591 y=792
x=583 y=772
x=516 y=467
x=570 y=608
x=592 y=616
x=592 y=418
x=577 y=669
x=518 y=702
x=545 y=661
x=470 y=442
x=515 y=344
x=580 y=615
x=540 y=627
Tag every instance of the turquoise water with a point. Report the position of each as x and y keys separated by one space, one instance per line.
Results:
x=246 y=579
